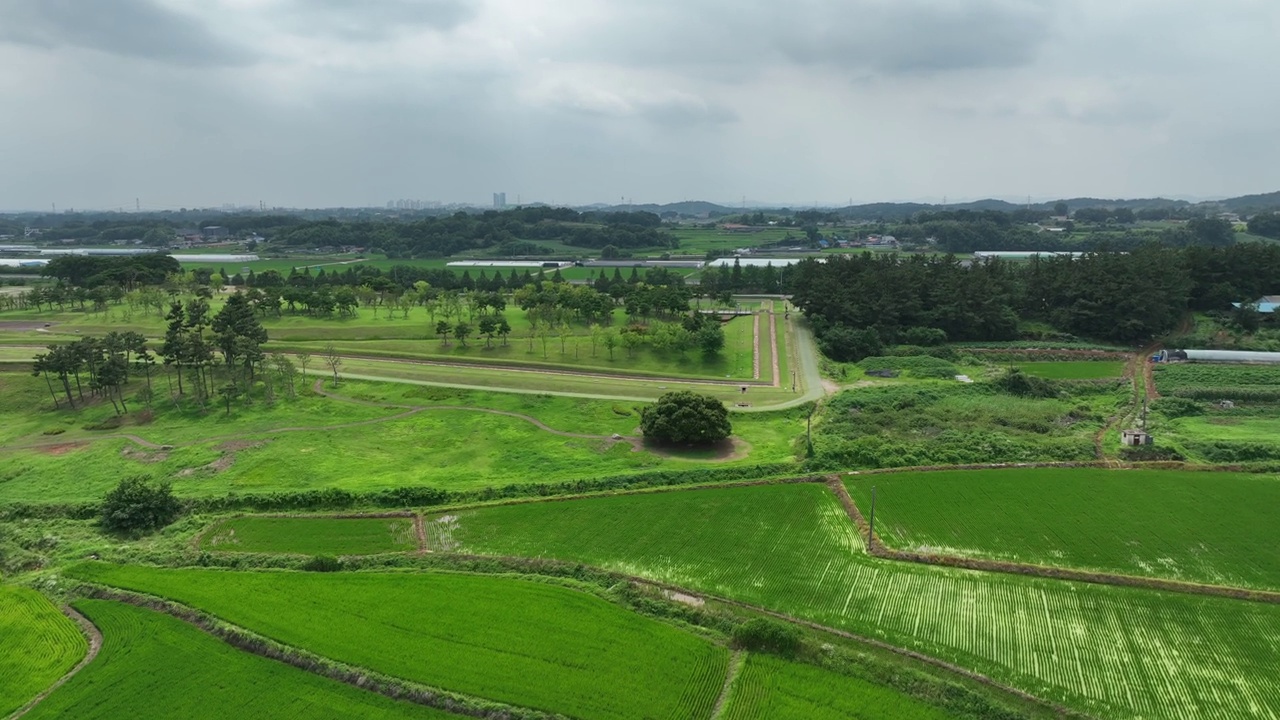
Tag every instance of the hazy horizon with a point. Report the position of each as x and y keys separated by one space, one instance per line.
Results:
x=339 y=103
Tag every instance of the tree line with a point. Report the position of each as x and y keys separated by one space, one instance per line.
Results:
x=858 y=304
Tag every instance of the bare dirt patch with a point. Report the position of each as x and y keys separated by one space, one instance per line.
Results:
x=731 y=449
x=61 y=448
x=142 y=456
x=232 y=446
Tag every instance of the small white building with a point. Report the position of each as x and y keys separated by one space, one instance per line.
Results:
x=1134 y=438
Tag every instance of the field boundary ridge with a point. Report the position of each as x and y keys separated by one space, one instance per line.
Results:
x=357 y=677
x=877 y=548
x=93 y=635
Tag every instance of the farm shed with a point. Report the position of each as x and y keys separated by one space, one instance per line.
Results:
x=1134 y=438
x=1220 y=356
x=1267 y=304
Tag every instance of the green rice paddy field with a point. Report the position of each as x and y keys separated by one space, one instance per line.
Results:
x=154 y=666
x=38 y=645
x=533 y=644
x=312 y=536
x=768 y=688
x=1111 y=651
x=1074 y=369
x=1210 y=527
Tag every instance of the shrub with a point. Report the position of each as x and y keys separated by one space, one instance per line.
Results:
x=1016 y=382
x=1177 y=407
x=764 y=635
x=136 y=506
x=686 y=418
x=322 y=563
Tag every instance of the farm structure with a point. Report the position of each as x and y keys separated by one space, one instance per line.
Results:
x=1266 y=304
x=1219 y=356
x=1134 y=438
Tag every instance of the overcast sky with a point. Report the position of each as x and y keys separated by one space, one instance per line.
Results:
x=355 y=102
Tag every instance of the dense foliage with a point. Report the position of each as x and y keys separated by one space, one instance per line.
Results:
x=137 y=506
x=96 y=271
x=858 y=304
x=686 y=418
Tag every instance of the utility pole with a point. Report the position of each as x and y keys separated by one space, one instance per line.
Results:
x=871 y=527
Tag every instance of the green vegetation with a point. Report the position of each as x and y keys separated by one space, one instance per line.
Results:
x=136 y=506
x=686 y=418
x=935 y=423
x=311 y=536
x=1218 y=413
x=154 y=666
x=38 y=645
x=1105 y=650
x=1196 y=526
x=772 y=689
x=526 y=643
x=1074 y=370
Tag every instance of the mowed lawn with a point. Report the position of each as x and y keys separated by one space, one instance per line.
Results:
x=1211 y=527
x=38 y=645
x=1110 y=651
x=311 y=536
x=769 y=688
x=1073 y=369
x=527 y=643
x=155 y=666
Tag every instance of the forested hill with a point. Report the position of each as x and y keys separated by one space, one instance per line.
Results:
x=858 y=304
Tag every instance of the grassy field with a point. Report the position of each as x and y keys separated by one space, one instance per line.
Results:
x=38 y=645
x=1218 y=381
x=526 y=643
x=700 y=240
x=312 y=536
x=254 y=450
x=154 y=666
x=1114 y=652
x=769 y=688
x=905 y=423
x=1073 y=369
x=1196 y=526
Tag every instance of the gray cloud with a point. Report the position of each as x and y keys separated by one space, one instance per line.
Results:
x=371 y=20
x=127 y=28
x=346 y=102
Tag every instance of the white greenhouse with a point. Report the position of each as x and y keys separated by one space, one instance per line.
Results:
x=1220 y=356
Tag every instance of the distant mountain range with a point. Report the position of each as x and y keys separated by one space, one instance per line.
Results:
x=696 y=208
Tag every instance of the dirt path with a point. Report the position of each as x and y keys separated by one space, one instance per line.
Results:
x=773 y=347
x=420 y=530
x=94 y=637
x=736 y=661
x=755 y=346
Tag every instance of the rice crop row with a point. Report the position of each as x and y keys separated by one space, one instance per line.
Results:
x=312 y=536
x=1114 y=652
x=1074 y=369
x=1177 y=376
x=1194 y=526
x=38 y=645
x=526 y=643
x=154 y=666
x=769 y=688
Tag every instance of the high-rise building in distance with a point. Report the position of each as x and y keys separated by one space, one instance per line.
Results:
x=499 y=200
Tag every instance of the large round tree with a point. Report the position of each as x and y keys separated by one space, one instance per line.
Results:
x=686 y=418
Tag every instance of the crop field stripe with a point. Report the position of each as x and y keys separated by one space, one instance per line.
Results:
x=1208 y=548
x=313 y=535
x=156 y=666
x=1112 y=651
x=38 y=645
x=531 y=644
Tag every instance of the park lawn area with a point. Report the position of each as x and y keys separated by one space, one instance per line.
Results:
x=1109 y=651
x=27 y=414
x=1207 y=527
x=155 y=666
x=38 y=645
x=311 y=443
x=769 y=688
x=533 y=644
x=1073 y=369
x=311 y=535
